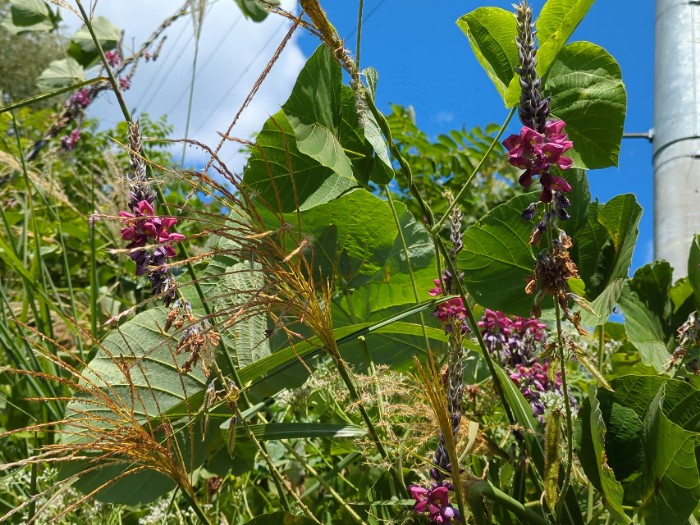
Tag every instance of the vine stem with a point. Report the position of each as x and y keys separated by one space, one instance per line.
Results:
x=436 y=228
x=477 y=489
x=360 y=9
x=569 y=422
x=270 y=464
x=345 y=375
x=409 y=266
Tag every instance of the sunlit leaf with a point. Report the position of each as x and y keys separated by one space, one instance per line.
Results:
x=60 y=73
x=585 y=83
x=491 y=32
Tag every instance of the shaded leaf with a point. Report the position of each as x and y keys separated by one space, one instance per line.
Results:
x=645 y=301
x=60 y=73
x=672 y=480
x=603 y=251
x=611 y=488
x=82 y=47
x=694 y=267
x=497 y=258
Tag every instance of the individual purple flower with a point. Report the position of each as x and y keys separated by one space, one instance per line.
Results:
x=69 y=141
x=124 y=83
x=142 y=228
x=451 y=312
x=80 y=99
x=113 y=58
x=537 y=152
x=533 y=381
x=435 y=501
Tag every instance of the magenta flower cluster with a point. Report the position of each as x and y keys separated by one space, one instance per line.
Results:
x=435 y=501
x=451 y=312
x=113 y=58
x=80 y=99
x=515 y=340
x=143 y=228
x=69 y=141
x=537 y=152
x=533 y=381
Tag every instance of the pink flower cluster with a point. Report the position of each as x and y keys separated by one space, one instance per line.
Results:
x=69 y=141
x=435 y=501
x=80 y=99
x=533 y=381
x=537 y=152
x=450 y=312
x=113 y=58
x=514 y=340
x=143 y=227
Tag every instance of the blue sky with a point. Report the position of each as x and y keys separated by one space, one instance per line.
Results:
x=424 y=60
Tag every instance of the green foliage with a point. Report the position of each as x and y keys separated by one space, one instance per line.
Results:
x=84 y=50
x=299 y=371
x=491 y=32
x=498 y=259
x=585 y=83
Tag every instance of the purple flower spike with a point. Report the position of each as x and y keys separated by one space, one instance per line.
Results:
x=537 y=152
x=435 y=501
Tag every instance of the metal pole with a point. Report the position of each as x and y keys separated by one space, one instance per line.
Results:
x=676 y=131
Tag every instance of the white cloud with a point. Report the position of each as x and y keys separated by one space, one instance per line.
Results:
x=233 y=52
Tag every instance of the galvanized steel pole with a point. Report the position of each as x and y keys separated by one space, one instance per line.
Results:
x=676 y=130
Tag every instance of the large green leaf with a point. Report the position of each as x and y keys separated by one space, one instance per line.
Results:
x=313 y=111
x=391 y=285
x=603 y=251
x=139 y=369
x=60 y=73
x=555 y=24
x=491 y=32
x=28 y=15
x=247 y=340
x=694 y=267
x=286 y=178
x=497 y=258
x=646 y=303
x=354 y=236
x=611 y=488
x=82 y=47
x=585 y=83
x=672 y=480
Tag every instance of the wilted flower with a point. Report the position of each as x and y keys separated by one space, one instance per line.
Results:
x=435 y=501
